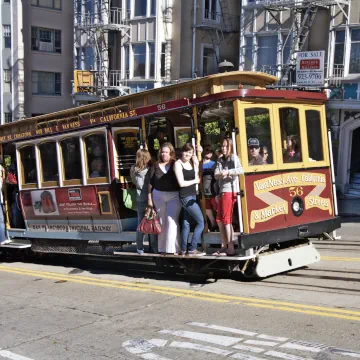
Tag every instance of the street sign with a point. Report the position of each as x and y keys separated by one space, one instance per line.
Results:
x=310 y=68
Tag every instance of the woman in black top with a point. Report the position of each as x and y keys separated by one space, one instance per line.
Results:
x=164 y=197
x=187 y=174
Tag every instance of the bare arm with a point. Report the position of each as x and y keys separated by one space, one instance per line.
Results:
x=238 y=170
x=180 y=176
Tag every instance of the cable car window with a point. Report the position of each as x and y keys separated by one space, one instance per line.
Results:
x=95 y=146
x=28 y=161
x=290 y=135
x=48 y=160
x=70 y=149
x=127 y=144
x=258 y=134
x=315 y=144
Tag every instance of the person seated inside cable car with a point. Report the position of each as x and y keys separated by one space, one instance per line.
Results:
x=264 y=152
x=97 y=168
x=254 y=152
x=292 y=153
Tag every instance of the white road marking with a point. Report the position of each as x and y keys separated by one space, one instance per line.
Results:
x=210 y=349
x=152 y=356
x=345 y=352
x=143 y=346
x=279 y=355
x=244 y=357
x=214 y=339
x=10 y=355
x=304 y=346
x=274 y=338
x=222 y=328
x=249 y=348
x=261 y=343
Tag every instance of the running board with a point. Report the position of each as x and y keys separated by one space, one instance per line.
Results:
x=186 y=257
x=13 y=245
x=279 y=261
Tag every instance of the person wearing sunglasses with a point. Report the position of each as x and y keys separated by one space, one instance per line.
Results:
x=254 y=152
x=264 y=152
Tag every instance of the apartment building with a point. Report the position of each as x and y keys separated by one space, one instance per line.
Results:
x=37 y=57
x=125 y=46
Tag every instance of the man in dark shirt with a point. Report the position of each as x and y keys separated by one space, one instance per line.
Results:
x=254 y=152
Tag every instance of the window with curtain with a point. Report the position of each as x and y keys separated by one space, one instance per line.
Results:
x=354 y=66
x=139 y=60
x=7 y=36
x=46 y=83
x=267 y=51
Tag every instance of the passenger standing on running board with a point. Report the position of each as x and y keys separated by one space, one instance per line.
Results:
x=228 y=168
x=164 y=197
x=187 y=174
x=140 y=174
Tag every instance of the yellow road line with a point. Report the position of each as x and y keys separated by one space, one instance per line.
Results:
x=207 y=296
x=336 y=258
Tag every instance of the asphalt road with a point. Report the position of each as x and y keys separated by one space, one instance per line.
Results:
x=62 y=311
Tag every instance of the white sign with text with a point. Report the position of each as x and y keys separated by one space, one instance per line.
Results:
x=310 y=68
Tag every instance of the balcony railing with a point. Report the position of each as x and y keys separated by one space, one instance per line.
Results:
x=116 y=16
x=224 y=22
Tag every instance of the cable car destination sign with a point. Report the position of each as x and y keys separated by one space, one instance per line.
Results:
x=118 y=114
x=310 y=68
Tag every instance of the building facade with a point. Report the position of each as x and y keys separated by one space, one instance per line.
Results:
x=149 y=43
x=37 y=57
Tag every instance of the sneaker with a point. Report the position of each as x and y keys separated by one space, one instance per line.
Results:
x=140 y=252
x=196 y=253
x=182 y=252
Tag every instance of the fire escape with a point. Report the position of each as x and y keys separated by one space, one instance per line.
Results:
x=303 y=15
x=98 y=25
x=220 y=25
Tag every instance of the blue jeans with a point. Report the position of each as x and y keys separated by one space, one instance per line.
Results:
x=192 y=212
x=141 y=207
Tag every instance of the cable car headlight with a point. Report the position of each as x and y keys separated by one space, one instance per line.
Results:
x=297 y=206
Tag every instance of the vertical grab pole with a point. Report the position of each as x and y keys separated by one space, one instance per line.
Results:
x=332 y=173
x=196 y=140
x=241 y=225
x=143 y=143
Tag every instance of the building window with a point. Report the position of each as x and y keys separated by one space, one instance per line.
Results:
x=7 y=80
x=7 y=36
x=267 y=52
x=339 y=47
x=89 y=58
x=248 y=59
x=46 y=83
x=6 y=1
x=209 y=61
x=140 y=7
x=8 y=117
x=50 y=4
x=153 y=7
x=354 y=67
x=210 y=9
x=139 y=60
x=152 y=59
x=163 y=57
x=46 y=40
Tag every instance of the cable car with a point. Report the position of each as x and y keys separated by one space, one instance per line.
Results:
x=73 y=171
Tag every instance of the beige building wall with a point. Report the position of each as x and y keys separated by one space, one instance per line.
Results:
x=46 y=61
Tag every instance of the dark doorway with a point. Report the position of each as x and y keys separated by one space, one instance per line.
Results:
x=355 y=153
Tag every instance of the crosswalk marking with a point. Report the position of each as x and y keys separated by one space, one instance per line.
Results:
x=210 y=349
x=244 y=357
x=214 y=339
x=223 y=328
x=249 y=348
x=274 y=338
x=280 y=355
x=261 y=343
x=12 y=356
x=305 y=346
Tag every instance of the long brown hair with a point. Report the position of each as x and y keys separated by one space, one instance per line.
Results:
x=230 y=146
x=172 y=152
x=143 y=159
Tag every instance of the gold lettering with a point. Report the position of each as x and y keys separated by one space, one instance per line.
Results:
x=39 y=132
